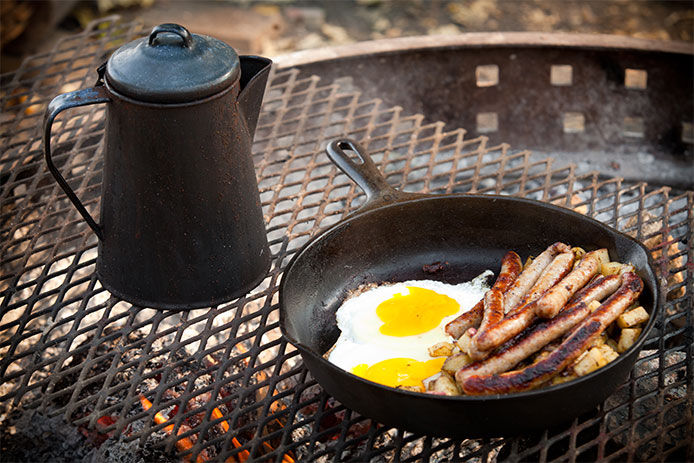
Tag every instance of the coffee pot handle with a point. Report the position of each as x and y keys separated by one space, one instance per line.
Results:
x=83 y=97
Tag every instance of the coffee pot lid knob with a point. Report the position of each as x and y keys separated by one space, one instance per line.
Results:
x=172 y=65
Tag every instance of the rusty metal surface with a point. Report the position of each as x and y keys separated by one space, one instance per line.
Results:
x=481 y=40
x=614 y=104
x=222 y=381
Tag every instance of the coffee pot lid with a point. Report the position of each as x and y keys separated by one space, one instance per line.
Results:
x=172 y=66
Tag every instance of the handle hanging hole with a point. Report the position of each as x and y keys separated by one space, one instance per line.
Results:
x=351 y=152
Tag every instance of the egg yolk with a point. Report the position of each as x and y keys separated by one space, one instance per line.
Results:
x=417 y=312
x=399 y=371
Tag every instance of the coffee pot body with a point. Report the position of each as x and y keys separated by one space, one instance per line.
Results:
x=180 y=224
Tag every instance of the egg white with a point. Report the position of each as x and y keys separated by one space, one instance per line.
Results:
x=360 y=340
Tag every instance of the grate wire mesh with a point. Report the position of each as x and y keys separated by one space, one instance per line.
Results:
x=222 y=382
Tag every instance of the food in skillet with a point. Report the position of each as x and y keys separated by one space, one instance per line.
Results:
x=387 y=329
x=550 y=324
x=545 y=322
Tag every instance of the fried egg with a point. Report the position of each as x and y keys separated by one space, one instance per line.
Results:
x=386 y=331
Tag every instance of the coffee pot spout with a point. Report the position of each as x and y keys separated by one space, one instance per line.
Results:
x=254 y=74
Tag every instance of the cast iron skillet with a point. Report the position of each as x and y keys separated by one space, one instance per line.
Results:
x=391 y=238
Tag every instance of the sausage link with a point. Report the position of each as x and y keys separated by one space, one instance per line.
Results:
x=536 y=374
x=511 y=266
x=530 y=275
x=493 y=313
x=554 y=299
x=470 y=319
x=473 y=351
x=578 y=341
x=597 y=290
x=612 y=308
x=515 y=322
x=493 y=300
x=507 y=328
x=522 y=316
x=553 y=274
x=493 y=309
x=543 y=333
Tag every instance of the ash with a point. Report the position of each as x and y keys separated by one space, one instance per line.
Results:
x=649 y=395
x=116 y=451
x=34 y=436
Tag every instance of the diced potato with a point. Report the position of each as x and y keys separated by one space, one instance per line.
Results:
x=612 y=343
x=608 y=352
x=581 y=357
x=633 y=317
x=602 y=255
x=578 y=253
x=444 y=384
x=627 y=268
x=627 y=338
x=611 y=268
x=577 y=361
x=596 y=352
x=455 y=362
x=411 y=388
x=563 y=378
x=464 y=342
x=428 y=382
x=441 y=349
x=602 y=339
x=594 y=305
x=590 y=362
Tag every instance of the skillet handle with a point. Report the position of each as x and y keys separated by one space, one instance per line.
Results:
x=363 y=171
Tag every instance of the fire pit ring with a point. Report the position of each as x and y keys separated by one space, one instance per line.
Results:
x=221 y=383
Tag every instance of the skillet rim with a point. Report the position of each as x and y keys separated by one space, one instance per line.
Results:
x=412 y=198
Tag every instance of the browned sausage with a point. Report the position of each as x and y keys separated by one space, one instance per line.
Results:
x=522 y=316
x=628 y=292
x=578 y=341
x=494 y=298
x=530 y=275
x=553 y=274
x=554 y=299
x=493 y=313
x=470 y=319
x=472 y=350
x=538 y=336
x=511 y=266
x=597 y=290
x=493 y=309
x=537 y=373
x=507 y=328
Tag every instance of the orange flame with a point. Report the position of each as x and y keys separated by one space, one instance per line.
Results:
x=244 y=455
x=183 y=444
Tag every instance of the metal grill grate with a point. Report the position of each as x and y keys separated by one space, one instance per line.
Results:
x=222 y=380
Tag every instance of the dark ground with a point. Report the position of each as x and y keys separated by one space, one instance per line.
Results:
x=276 y=27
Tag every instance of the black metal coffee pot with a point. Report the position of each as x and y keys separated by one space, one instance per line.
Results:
x=181 y=224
